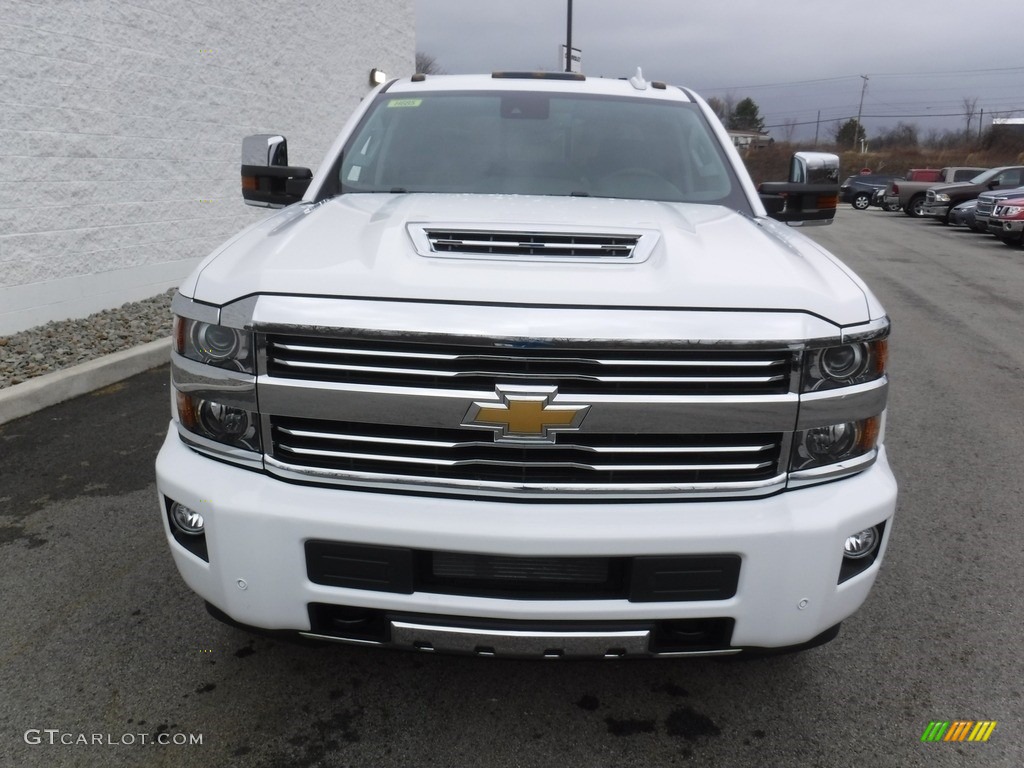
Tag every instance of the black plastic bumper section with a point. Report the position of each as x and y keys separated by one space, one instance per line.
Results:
x=683 y=578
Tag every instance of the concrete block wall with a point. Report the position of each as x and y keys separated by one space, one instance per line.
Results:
x=121 y=128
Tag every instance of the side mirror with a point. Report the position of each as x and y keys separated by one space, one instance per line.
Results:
x=811 y=195
x=267 y=179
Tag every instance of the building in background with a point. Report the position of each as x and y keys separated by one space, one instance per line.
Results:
x=744 y=140
x=121 y=129
x=1008 y=126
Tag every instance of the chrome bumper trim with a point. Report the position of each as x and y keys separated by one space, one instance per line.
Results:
x=532 y=491
x=521 y=644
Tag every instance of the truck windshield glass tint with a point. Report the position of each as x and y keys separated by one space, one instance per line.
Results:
x=538 y=144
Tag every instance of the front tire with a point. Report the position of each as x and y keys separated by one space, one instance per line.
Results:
x=913 y=209
x=861 y=201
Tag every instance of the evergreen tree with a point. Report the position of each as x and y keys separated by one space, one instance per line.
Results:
x=845 y=133
x=746 y=117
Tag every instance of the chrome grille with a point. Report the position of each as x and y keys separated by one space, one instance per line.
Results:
x=984 y=206
x=375 y=451
x=574 y=370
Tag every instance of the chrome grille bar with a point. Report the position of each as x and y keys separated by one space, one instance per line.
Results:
x=580 y=370
x=457 y=454
x=608 y=379
x=682 y=449
x=327 y=349
x=526 y=464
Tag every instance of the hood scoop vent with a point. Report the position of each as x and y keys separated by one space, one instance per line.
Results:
x=532 y=244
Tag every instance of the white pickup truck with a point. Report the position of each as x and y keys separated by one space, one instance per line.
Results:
x=529 y=367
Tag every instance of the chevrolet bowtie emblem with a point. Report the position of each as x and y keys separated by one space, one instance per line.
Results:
x=526 y=415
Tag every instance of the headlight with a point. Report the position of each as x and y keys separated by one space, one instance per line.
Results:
x=834 y=444
x=941 y=197
x=215 y=421
x=1011 y=210
x=212 y=344
x=844 y=365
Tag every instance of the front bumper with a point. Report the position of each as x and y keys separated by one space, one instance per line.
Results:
x=938 y=210
x=788 y=591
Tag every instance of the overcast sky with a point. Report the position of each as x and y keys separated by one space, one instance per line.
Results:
x=792 y=57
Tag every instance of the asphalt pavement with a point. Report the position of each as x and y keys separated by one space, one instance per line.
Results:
x=105 y=653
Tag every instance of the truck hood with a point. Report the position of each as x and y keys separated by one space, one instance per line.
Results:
x=364 y=246
x=952 y=185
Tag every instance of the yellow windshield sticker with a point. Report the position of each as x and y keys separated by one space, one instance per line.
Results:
x=405 y=102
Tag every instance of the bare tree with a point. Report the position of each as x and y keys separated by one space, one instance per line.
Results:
x=788 y=129
x=719 y=108
x=724 y=107
x=427 y=64
x=903 y=136
x=970 y=107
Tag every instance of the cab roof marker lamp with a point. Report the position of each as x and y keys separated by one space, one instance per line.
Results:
x=519 y=75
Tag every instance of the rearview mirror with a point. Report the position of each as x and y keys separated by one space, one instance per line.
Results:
x=267 y=179
x=814 y=168
x=811 y=195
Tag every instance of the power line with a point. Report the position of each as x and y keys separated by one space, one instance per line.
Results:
x=789 y=83
x=991 y=113
x=951 y=72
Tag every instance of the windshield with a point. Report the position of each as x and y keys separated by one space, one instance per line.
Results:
x=537 y=144
x=984 y=176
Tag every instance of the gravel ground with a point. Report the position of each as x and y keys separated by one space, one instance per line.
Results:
x=62 y=344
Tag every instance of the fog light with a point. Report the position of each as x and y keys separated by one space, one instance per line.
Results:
x=186 y=519
x=862 y=544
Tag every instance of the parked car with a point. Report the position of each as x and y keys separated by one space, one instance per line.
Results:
x=940 y=199
x=963 y=215
x=878 y=200
x=925 y=174
x=1010 y=216
x=987 y=201
x=858 y=190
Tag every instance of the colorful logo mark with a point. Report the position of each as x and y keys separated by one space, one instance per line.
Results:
x=958 y=730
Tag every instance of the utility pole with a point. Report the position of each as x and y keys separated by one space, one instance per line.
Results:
x=860 y=109
x=568 y=40
x=981 y=122
x=817 y=127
